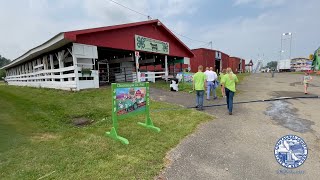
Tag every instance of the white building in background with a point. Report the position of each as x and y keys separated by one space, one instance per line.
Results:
x=301 y=64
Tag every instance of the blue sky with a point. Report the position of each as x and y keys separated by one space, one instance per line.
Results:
x=245 y=28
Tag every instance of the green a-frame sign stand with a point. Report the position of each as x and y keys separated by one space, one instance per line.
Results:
x=115 y=117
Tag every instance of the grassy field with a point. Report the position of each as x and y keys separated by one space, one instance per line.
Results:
x=38 y=138
x=186 y=87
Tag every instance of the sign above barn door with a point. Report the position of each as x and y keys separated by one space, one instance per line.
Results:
x=151 y=45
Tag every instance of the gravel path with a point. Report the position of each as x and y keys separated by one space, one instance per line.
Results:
x=241 y=146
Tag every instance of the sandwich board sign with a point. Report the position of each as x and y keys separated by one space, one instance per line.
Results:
x=129 y=99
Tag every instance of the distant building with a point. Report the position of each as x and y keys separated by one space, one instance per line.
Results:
x=300 y=64
x=249 y=66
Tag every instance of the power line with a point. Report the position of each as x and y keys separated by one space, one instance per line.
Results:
x=130 y=9
x=149 y=17
x=206 y=45
x=189 y=38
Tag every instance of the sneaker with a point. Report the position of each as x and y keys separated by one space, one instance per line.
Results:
x=208 y=99
x=197 y=106
x=215 y=98
x=230 y=113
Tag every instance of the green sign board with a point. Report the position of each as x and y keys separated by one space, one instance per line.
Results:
x=151 y=45
x=129 y=99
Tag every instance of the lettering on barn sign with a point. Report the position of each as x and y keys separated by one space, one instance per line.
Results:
x=151 y=45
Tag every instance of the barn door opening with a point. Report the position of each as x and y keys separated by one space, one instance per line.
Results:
x=217 y=66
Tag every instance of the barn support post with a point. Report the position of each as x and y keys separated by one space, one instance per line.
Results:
x=45 y=66
x=59 y=56
x=137 y=67
x=166 y=67
x=51 y=65
x=75 y=65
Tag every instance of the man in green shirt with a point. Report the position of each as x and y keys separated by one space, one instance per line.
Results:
x=199 y=84
x=228 y=82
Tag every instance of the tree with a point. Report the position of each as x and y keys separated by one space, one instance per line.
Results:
x=3 y=61
x=272 y=65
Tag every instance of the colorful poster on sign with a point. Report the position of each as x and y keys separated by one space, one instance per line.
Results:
x=130 y=100
x=187 y=76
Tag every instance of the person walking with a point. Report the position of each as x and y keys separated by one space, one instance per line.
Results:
x=228 y=82
x=306 y=80
x=211 y=83
x=222 y=73
x=199 y=85
x=207 y=70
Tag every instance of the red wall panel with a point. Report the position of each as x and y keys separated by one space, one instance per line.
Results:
x=235 y=64
x=125 y=38
x=243 y=65
x=225 y=61
x=206 y=57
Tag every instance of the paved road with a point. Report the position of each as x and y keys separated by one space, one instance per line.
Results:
x=241 y=146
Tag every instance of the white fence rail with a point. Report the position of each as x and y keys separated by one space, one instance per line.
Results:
x=46 y=78
x=151 y=76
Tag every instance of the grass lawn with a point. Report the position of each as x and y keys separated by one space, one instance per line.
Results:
x=186 y=87
x=37 y=137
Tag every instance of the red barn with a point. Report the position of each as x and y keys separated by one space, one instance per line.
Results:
x=209 y=58
x=89 y=58
x=237 y=64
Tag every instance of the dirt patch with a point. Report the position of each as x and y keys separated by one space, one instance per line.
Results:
x=281 y=112
x=289 y=94
x=300 y=84
x=81 y=121
x=44 y=137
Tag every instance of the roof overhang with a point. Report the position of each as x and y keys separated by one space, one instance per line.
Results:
x=50 y=45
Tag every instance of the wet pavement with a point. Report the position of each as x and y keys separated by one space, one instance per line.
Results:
x=284 y=115
x=241 y=146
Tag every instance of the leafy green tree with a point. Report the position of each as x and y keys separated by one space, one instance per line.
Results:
x=272 y=65
x=3 y=61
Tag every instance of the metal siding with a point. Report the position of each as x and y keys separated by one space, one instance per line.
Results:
x=204 y=57
x=225 y=60
x=194 y=62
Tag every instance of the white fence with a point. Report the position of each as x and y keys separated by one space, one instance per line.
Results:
x=53 y=78
x=151 y=76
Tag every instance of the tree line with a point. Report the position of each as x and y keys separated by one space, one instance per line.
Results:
x=3 y=61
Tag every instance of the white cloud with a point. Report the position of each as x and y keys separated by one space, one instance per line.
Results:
x=261 y=3
x=26 y=24
x=248 y=37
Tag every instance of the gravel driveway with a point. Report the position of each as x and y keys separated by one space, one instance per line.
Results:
x=241 y=146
